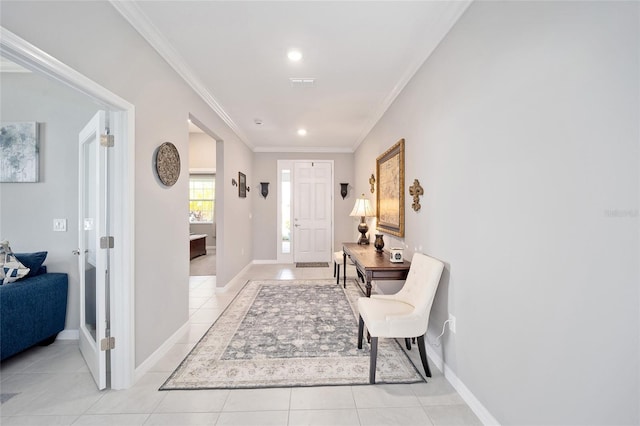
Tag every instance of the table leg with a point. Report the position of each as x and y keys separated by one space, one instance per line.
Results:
x=368 y=284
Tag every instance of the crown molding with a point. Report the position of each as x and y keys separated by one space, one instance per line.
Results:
x=143 y=25
x=303 y=149
x=7 y=66
x=32 y=58
x=440 y=28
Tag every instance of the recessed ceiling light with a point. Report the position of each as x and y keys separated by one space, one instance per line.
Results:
x=294 y=55
x=302 y=132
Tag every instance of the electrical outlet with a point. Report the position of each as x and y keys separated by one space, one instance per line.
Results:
x=60 y=225
x=452 y=323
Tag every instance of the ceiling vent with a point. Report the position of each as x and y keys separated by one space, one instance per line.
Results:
x=302 y=82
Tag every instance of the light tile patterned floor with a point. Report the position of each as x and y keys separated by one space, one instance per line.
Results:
x=52 y=385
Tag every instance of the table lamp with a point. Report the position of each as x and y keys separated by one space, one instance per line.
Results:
x=363 y=209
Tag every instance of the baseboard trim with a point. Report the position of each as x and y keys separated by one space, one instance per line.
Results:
x=476 y=406
x=152 y=359
x=69 y=335
x=264 y=262
x=233 y=281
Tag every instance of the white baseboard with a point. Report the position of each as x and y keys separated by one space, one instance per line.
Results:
x=148 y=363
x=233 y=281
x=68 y=335
x=476 y=406
x=265 y=262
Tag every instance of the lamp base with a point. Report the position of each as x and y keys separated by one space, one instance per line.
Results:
x=363 y=228
x=363 y=240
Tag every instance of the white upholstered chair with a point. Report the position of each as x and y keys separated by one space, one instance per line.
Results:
x=404 y=314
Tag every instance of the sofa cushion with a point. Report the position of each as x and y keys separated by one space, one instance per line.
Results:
x=31 y=310
x=33 y=261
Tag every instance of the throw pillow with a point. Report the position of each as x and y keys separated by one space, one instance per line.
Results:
x=33 y=261
x=4 y=249
x=11 y=270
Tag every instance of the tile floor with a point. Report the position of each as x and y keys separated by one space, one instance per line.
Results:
x=52 y=385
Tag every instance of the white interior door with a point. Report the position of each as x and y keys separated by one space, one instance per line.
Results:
x=312 y=207
x=92 y=259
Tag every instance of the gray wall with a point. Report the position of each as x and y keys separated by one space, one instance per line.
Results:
x=265 y=213
x=28 y=209
x=523 y=130
x=234 y=231
x=116 y=57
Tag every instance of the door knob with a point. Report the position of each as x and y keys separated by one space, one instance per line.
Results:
x=77 y=252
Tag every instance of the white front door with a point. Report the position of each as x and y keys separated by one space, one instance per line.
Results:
x=312 y=207
x=92 y=259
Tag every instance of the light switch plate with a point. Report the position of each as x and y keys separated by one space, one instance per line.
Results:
x=60 y=225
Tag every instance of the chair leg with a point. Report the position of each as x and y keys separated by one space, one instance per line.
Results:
x=338 y=276
x=423 y=355
x=360 y=332
x=335 y=265
x=372 y=361
x=407 y=342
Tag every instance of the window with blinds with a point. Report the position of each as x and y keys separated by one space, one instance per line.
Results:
x=202 y=195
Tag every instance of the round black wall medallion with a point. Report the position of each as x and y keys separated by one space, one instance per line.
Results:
x=168 y=163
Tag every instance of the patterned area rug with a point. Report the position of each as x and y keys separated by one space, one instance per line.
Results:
x=289 y=333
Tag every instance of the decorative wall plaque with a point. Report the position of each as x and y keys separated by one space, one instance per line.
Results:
x=416 y=191
x=168 y=163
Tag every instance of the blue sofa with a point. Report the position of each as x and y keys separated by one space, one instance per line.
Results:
x=32 y=311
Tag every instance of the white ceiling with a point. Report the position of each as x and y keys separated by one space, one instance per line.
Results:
x=361 y=54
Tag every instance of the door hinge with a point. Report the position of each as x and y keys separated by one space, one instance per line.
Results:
x=107 y=141
x=108 y=343
x=106 y=242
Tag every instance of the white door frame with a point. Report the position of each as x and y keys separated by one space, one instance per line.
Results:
x=122 y=212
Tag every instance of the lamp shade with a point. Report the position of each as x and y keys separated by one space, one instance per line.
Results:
x=362 y=208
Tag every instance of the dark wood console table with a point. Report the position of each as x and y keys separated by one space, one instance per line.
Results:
x=373 y=265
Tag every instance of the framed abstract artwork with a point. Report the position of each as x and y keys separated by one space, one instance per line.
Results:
x=19 y=152
x=390 y=195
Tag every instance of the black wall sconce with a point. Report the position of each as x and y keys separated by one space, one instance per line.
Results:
x=234 y=182
x=264 y=189
x=344 y=190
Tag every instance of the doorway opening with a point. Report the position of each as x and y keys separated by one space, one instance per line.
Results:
x=202 y=201
x=120 y=362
